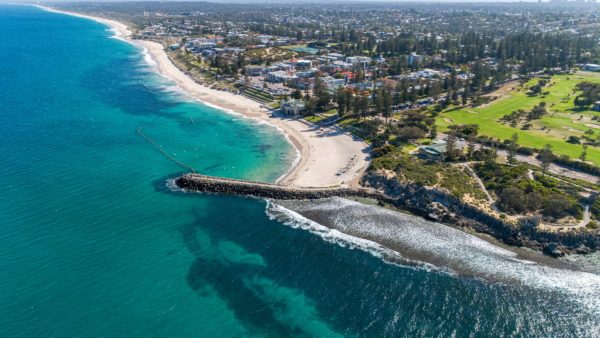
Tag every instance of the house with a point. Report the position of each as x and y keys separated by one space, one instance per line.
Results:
x=302 y=63
x=199 y=46
x=425 y=74
x=293 y=107
x=332 y=83
x=264 y=39
x=337 y=56
x=280 y=76
x=414 y=58
x=255 y=70
x=596 y=106
x=359 y=60
x=435 y=151
x=379 y=59
x=342 y=64
x=367 y=85
x=591 y=67
x=280 y=66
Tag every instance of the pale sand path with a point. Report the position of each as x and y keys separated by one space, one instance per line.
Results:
x=328 y=156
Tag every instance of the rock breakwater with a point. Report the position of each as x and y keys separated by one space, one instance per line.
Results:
x=211 y=184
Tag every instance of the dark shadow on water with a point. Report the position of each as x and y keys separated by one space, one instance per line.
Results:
x=229 y=280
x=127 y=93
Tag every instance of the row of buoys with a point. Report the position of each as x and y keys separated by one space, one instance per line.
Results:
x=157 y=146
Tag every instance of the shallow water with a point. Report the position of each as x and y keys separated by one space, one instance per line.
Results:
x=93 y=243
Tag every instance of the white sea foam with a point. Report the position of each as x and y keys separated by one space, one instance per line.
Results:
x=294 y=220
x=116 y=34
x=148 y=58
x=446 y=247
x=172 y=186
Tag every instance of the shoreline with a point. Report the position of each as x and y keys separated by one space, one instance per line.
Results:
x=322 y=153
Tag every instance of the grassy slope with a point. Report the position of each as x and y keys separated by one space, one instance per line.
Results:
x=561 y=122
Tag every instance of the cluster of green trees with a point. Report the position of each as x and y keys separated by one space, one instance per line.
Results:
x=525 y=117
x=227 y=66
x=537 y=88
x=518 y=194
x=590 y=93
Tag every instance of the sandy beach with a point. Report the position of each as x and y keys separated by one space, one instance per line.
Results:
x=328 y=156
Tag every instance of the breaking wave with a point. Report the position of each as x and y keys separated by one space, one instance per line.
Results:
x=401 y=238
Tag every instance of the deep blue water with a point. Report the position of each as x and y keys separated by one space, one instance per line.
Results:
x=93 y=243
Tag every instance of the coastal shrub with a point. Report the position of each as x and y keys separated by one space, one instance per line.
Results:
x=595 y=208
x=592 y=225
x=438 y=175
x=409 y=133
x=383 y=150
x=366 y=130
x=464 y=130
x=525 y=151
x=559 y=205
x=519 y=194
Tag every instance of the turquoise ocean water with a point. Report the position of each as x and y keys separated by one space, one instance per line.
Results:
x=93 y=243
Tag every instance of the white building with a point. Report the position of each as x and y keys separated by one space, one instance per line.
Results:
x=293 y=107
x=342 y=65
x=337 y=56
x=591 y=67
x=414 y=58
x=302 y=63
x=255 y=70
x=359 y=60
x=333 y=83
x=281 y=76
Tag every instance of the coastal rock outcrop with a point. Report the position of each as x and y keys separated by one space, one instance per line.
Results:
x=442 y=207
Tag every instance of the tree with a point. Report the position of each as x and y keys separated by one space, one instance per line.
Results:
x=512 y=148
x=323 y=99
x=512 y=199
x=409 y=134
x=361 y=106
x=470 y=146
x=297 y=94
x=433 y=132
x=310 y=106
x=557 y=206
x=377 y=103
x=340 y=100
x=546 y=157
x=318 y=86
x=387 y=105
x=451 y=150
x=583 y=155
x=465 y=95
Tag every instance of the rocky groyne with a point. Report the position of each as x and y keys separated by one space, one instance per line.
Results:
x=211 y=184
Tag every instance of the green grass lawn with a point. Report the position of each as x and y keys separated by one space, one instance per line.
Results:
x=561 y=122
x=330 y=112
x=314 y=119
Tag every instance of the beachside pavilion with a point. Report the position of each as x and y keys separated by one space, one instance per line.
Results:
x=293 y=107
